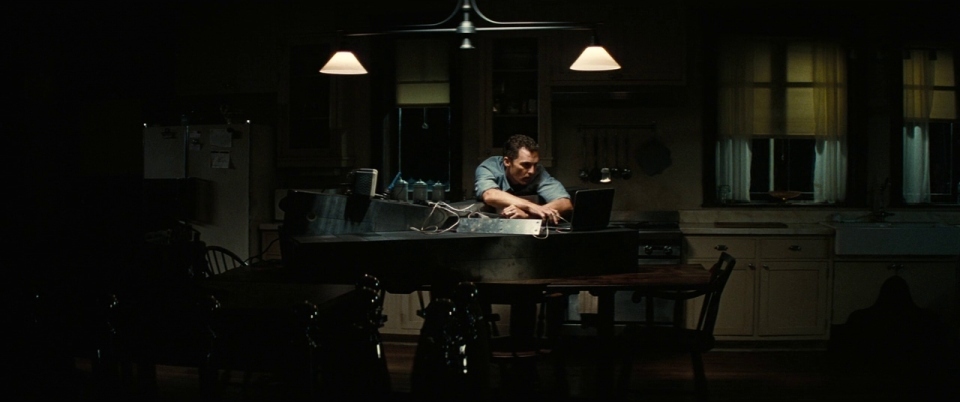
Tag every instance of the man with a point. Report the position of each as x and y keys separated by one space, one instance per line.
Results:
x=502 y=181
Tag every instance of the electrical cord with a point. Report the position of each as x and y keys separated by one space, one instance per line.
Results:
x=262 y=252
x=434 y=229
x=456 y=212
x=546 y=229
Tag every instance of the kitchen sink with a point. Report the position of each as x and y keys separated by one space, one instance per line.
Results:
x=895 y=238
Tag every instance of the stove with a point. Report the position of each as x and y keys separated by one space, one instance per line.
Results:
x=661 y=242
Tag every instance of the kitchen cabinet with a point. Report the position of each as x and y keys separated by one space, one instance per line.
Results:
x=516 y=97
x=737 y=304
x=401 y=311
x=933 y=284
x=778 y=290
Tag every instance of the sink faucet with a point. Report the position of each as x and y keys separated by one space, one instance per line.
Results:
x=880 y=214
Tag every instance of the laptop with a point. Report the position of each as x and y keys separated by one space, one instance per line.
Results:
x=591 y=210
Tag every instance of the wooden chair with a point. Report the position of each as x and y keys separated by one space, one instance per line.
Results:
x=517 y=354
x=640 y=338
x=452 y=360
x=220 y=260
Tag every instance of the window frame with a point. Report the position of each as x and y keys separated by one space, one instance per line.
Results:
x=779 y=86
x=896 y=137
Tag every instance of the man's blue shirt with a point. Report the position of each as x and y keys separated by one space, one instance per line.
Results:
x=492 y=174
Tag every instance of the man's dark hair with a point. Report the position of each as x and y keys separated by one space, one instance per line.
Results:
x=511 y=148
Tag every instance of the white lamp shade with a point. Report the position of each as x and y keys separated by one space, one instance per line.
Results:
x=343 y=63
x=595 y=58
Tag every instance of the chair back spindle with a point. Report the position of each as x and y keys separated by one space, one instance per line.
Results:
x=220 y=260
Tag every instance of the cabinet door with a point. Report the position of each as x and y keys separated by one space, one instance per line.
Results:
x=401 y=310
x=736 y=314
x=516 y=96
x=793 y=298
x=932 y=285
x=856 y=286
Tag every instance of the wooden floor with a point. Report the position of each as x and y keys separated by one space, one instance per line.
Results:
x=734 y=374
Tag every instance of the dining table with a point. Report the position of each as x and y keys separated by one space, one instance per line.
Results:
x=645 y=279
x=515 y=292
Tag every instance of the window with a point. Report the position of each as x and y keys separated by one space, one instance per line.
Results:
x=421 y=124
x=931 y=147
x=782 y=120
x=782 y=163
x=424 y=144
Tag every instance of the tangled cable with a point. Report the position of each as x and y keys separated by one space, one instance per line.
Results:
x=434 y=229
x=456 y=212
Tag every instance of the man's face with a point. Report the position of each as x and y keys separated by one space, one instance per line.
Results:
x=521 y=170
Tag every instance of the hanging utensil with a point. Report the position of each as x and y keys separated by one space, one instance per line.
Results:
x=615 y=170
x=584 y=171
x=425 y=126
x=625 y=173
x=605 y=172
x=595 y=172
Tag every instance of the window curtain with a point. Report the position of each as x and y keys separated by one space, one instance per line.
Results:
x=830 y=123
x=918 y=82
x=736 y=105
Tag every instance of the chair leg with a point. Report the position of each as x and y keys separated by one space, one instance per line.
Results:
x=627 y=356
x=626 y=368
x=207 y=374
x=699 y=377
x=559 y=364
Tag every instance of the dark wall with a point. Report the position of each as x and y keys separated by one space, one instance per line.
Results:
x=84 y=72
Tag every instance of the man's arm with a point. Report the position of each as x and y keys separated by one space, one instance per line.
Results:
x=563 y=205
x=500 y=199
x=513 y=207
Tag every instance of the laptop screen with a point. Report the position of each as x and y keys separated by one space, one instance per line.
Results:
x=591 y=209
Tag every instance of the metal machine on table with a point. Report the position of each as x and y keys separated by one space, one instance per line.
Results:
x=330 y=238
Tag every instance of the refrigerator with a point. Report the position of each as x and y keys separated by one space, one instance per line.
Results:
x=232 y=170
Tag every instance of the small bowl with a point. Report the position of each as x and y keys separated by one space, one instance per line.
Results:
x=783 y=196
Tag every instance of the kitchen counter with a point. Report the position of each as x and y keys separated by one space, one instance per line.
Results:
x=755 y=228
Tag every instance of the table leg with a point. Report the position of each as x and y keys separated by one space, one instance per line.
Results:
x=605 y=336
x=523 y=321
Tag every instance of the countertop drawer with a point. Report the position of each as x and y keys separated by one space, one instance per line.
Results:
x=795 y=248
x=709 y=247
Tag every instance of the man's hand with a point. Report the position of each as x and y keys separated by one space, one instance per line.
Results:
x=514 y=207
x=531 y=210
x=545 y=212
x=514 y=212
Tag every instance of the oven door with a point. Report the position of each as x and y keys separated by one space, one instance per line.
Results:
x=659 y=260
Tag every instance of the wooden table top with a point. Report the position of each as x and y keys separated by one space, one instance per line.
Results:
x=650 y=277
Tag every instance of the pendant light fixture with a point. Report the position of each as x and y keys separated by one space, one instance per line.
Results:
x=343 y=62
x=593 y=58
